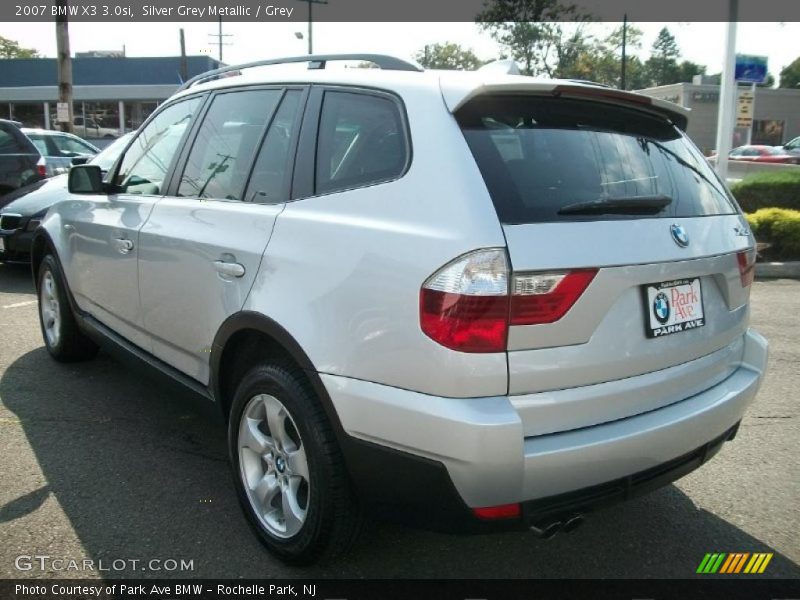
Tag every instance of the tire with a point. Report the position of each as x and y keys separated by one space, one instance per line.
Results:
x=301 y=513
x=63 y=339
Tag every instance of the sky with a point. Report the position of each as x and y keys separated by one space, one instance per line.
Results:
x=699 y=42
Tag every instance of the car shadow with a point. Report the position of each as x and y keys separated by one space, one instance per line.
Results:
x=15 y=278
x=141 y=474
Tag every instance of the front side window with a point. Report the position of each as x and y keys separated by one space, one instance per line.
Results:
x=68 y=146
x=543 y=158
x=146 y=163
x=361 y=141
x=222 y=154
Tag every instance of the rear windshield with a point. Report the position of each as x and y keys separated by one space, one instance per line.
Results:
x=539 y=155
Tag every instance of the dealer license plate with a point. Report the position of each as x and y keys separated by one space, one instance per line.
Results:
x=673 y=306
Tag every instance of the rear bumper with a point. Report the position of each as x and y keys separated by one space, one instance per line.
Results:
x=481 y=445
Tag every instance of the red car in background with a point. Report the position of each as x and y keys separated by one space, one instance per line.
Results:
x=766 y=154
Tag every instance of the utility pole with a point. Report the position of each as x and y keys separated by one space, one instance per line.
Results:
x=184 y=63
x=727 y=91
x=622 y=84
x=311 y=3
x=221 y=38
x=64 y=64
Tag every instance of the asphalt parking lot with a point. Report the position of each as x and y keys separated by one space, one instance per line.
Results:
x=98 y=463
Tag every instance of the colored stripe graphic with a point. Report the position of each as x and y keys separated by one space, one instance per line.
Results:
x=703 y=563
x=741 y=562
x=728 y=562
x=765 y=563
x=735 y=562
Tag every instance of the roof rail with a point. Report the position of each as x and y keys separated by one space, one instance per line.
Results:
x=316 y=61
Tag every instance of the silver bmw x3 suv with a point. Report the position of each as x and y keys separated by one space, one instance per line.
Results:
x=474 y=301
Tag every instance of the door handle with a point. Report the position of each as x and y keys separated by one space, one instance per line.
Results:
x=229 y=269
x=123 y=246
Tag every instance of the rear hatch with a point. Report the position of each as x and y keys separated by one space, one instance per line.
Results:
x=629 y=256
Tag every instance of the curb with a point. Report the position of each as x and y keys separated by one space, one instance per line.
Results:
x=772 y=270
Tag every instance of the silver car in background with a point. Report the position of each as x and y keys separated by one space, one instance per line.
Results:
x=474 y=301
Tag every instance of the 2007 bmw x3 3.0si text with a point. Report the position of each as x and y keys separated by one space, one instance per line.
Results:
x=477 y=301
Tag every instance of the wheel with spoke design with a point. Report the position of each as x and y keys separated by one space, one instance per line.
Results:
x=273 y=465
x=62 y=337
x=289 y=472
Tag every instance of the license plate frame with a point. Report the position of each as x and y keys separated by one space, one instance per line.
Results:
x=677 y=310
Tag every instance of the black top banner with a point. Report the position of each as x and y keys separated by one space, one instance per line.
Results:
x=401 y=10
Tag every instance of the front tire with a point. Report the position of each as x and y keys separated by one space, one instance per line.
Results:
x=63 y=339
x=288 y=469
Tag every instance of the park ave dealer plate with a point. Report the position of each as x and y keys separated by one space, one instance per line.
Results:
x=673 y=306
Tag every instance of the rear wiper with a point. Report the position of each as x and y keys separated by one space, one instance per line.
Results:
x=626 y=205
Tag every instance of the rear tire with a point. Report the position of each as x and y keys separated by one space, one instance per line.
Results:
x=63 y=339
x=288 y=470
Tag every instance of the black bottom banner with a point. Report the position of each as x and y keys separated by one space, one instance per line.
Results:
x=325 y=589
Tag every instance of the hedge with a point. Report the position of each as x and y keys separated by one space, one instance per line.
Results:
x=769 y=190
x=780 y=228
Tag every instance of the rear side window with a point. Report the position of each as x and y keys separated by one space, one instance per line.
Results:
x=268 y=183
x=222 y=153
x=361 y=141
x=41 y=144
x=13 y=141
x=539 y=155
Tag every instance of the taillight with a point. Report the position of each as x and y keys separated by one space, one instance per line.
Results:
x=546 y=297
x=467 y=304
x=41 y=167
x=747 y=265
x=464 y=305
x=503 y=511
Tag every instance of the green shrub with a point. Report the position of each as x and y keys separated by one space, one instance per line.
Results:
x=780 y=228
x=765 y=190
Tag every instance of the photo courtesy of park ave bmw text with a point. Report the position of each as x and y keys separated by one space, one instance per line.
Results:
x=361 y=299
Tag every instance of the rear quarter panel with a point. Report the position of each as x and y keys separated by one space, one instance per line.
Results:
x=343 y=271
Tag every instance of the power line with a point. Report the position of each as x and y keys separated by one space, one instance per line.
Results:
x=221 y=39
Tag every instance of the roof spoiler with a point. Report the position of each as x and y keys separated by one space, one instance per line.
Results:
x=457 y=93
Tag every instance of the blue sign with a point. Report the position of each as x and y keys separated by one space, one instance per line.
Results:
x=751 y=69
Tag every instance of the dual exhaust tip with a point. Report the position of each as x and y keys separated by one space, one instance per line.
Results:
x=549 y=529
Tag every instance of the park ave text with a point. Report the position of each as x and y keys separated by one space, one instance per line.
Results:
x=212 y=10
x=146 y=590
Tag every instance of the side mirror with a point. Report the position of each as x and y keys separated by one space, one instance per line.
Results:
x=79 y=160
x=85 y=179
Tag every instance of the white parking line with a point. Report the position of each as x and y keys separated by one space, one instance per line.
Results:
x=18 y=304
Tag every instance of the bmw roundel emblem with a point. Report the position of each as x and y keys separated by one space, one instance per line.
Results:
x=679 y=235
x=661 y=308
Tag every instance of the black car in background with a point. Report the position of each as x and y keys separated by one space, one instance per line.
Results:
x=22 y=210
x=20 y=161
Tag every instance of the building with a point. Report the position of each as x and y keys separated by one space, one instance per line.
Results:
x=776 y=117
x=111 y=94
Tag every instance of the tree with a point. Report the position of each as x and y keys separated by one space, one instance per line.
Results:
x=790 y=75
x=527 y=29
x=448 y=56
x=11 y=49
x=687 y=70
x=662 y=66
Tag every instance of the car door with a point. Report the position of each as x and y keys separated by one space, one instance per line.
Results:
x=104 y=229
x=201 y=248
